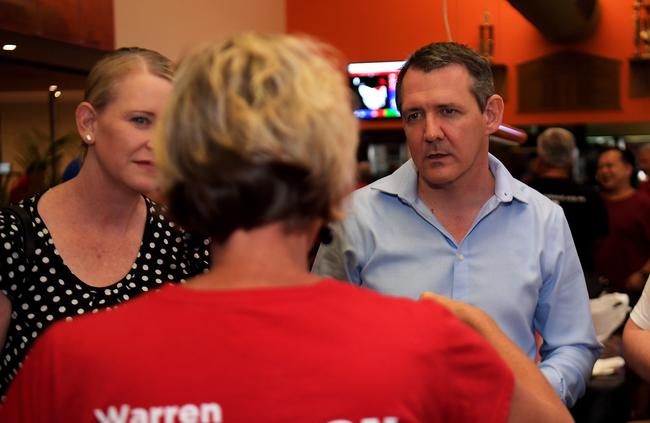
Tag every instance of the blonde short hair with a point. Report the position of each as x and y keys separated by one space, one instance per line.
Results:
x=259 y=129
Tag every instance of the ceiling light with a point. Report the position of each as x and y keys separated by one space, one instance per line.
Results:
x=9 y=47
x=53 y=87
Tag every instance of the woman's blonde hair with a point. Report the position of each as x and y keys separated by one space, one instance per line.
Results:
x=114 y=66
x=259 y=129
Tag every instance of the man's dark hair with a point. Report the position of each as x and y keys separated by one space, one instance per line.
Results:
x=439 y=55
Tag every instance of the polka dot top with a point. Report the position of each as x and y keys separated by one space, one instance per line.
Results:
x=44 y=290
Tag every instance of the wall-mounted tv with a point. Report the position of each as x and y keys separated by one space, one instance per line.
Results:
x=373 y=85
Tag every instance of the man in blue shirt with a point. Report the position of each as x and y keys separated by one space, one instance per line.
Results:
x=452 y=220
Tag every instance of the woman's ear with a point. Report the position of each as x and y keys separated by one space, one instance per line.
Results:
x=493 y=113
x=86 y=118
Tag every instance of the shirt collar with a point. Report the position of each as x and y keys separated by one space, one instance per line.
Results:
x=403 y=183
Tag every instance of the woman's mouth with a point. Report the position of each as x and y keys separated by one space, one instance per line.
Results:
x=147 y=163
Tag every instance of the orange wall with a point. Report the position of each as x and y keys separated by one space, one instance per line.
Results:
x=173 y=27
x=378 y=30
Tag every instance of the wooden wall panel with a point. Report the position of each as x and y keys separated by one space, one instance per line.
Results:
x=640 y=77
x=569 y=81
x=85 y=23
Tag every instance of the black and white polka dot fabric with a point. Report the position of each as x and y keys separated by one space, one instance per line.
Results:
x=44 y=290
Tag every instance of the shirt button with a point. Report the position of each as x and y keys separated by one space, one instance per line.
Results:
x=461 y=257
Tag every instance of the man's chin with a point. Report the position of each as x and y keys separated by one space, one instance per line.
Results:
x=437 y=181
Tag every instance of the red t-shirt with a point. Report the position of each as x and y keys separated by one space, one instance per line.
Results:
x=626 y=248
x=316 y=353
x=644 y=187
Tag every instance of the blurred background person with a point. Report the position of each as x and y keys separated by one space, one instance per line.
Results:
x=636 y=338
x=584 y=209
x=623 y=256
x=636 y=349
x=97 y=240
x=249 y=158
x=71 y=169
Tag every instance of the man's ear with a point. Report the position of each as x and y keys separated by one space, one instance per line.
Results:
x=86 y=118
x=493 y=113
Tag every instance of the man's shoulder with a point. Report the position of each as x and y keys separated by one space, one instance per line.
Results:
x=637 y=204
x=642 y=198
x=389 y=184
x=534 y=207
x=402 y=182
x=372 y=199
x=533 y=198
x=510 y=188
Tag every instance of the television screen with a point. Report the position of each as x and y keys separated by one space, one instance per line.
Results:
x=373 y=85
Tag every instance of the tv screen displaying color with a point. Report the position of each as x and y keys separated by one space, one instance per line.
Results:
x=373 y=85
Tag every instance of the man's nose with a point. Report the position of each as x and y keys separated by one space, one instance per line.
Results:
x=432 y=129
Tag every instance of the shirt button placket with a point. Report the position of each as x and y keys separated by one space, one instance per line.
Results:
x=461 y=277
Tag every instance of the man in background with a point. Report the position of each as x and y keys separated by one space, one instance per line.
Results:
x=452 y=220
x=623 y=256
x=582 y=206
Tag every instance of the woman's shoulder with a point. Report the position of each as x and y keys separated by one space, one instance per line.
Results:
x=159 y=219
x=16 y=241
x=10 y=228
x=28 y=204
x=163 y=231
x=14 y=218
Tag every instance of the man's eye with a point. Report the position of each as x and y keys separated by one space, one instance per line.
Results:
x=448 y=111
x=413 y=116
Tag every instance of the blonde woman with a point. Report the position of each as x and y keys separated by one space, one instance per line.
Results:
x=97 y=241
x=257 y=151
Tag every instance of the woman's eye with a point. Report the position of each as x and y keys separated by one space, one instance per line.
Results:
x=141 y=120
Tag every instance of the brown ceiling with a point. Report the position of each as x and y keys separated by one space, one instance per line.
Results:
x=37 y=63
x=26 y=77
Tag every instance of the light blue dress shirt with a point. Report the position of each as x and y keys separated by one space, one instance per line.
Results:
x=518 y=263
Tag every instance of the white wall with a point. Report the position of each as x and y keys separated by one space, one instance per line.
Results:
x=173 y=26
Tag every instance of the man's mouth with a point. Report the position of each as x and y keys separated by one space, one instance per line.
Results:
x=436 y=155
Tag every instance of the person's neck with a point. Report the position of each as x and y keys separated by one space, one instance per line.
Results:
x=457 y=204
x=619 y=193
x=96 y=198
x=469 y=192
x=262 y=257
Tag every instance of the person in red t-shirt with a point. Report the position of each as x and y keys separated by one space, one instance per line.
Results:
x=257 y=151
x=623 y=256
